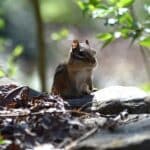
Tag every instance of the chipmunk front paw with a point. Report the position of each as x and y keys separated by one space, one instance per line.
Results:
x=86 y=90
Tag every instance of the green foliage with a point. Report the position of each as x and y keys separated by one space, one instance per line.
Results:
x=106 y=38
x=57 y=36
x=57 y=11
x=17 y=51
x=119 y=14
x=126 y=20
x=124 y=3
x=147 y=9
x=11 y=70
x=2 y=73
x=146 y=87
x=145 y=42
x=2 y=44
x=2 y=23
x=2 y=141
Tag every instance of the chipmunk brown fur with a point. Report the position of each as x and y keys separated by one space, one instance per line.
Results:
x=74 y=78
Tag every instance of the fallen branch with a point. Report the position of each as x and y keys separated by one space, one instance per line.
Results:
x=85 y=136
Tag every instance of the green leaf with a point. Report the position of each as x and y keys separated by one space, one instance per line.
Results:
x=102 y=11
x=2 y=141
x=124 y=3
x=125 y=32
x=91 y=7
x=64 y=33
x=107 y=38
x=94 y=2
x=81 y=5
x=11 y=69
x=104 y=36
x=146 y=87
x=2 y=23
x=126 y=20
x=145 y=42
x=2 y=73
x=17 y=51
x=112 y=1
x=107 y=42
x=85 y=6
x=57 y=36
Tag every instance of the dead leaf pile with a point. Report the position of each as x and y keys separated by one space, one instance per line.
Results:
x=27 y=121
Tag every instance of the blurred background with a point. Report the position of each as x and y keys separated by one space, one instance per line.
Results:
x=36 y=36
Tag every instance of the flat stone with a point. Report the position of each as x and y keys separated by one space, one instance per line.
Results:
x=134 y=135
x=114 y=99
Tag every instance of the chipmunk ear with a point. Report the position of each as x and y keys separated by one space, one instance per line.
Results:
x=87 y=42
x=75 y=45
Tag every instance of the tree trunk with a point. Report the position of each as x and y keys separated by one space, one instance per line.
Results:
x=41 y=45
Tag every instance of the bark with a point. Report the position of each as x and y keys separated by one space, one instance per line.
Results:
x=41 y=44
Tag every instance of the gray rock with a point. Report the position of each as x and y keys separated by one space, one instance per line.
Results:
x=132 y=135
x=110 y=100
x=114 y=100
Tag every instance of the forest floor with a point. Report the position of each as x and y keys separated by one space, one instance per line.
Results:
x=113 y=118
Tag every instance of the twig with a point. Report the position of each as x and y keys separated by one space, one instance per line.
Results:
x=92 y=102
x=78 y=112
x=21 y=114
x=85 y=105
x=64 y=142
x=85 y=136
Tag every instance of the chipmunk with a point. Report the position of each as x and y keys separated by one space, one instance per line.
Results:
x=74 y=78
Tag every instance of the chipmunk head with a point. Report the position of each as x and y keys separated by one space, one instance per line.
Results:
x=83 y=54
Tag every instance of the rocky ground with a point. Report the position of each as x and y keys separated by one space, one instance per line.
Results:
x=114 y=118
